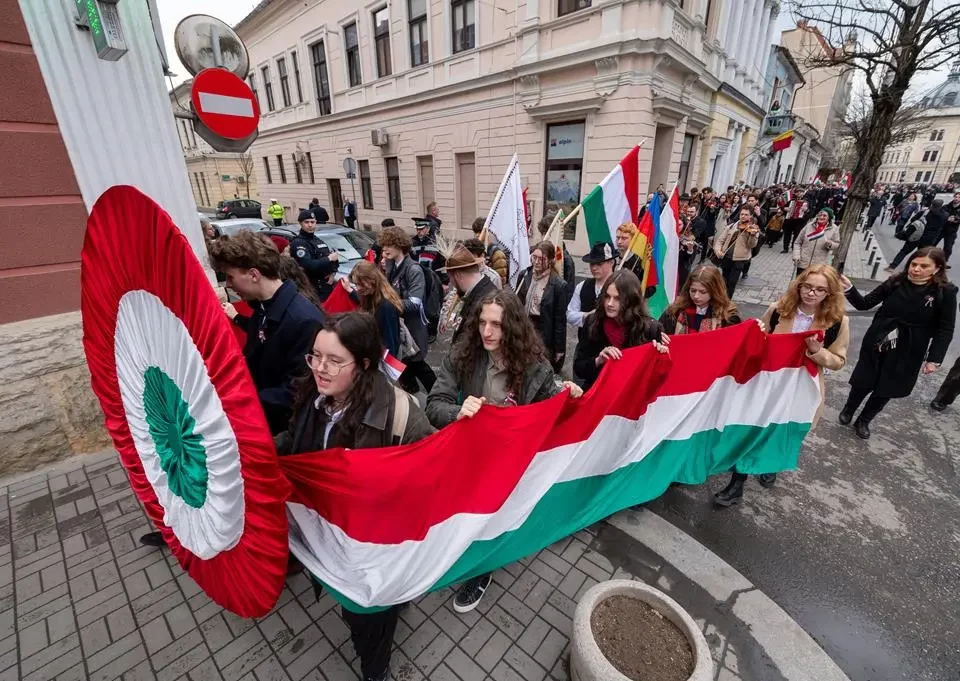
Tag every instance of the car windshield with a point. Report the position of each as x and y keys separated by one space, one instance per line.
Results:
x=344 y=243
x=231 y=227
x=361 y=241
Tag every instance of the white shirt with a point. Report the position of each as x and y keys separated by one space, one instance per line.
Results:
x=334 y=416
x=802 y=321
x=575 y=315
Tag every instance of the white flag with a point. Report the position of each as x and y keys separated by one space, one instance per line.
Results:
x=507 y=221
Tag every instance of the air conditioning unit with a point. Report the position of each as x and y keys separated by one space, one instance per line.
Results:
x=379 y=138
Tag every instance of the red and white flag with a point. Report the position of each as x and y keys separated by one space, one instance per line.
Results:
x=391 y=366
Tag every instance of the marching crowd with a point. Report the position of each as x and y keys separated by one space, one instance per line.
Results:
x=321 y=381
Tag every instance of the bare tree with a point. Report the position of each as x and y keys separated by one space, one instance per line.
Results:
x=895 y=40
x=907 y=123
x=245 y=161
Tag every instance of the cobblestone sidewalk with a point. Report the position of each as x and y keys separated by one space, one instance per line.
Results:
x=81 y=599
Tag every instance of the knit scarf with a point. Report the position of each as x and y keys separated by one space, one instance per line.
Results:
x=615 y=332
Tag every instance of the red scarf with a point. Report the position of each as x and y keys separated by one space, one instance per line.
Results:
x=615 y=332
x=685 y=322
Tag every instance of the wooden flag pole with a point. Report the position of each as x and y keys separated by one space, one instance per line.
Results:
x=572 y=215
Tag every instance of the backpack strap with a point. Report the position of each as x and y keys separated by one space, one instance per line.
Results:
x=831 y=334
x=401 y=414
x=774 y=320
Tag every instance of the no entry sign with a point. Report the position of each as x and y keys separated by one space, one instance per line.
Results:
x=225 y=104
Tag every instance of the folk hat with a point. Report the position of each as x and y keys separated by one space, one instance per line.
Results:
x=601 y=252
x=828 y=210
x=459 y=259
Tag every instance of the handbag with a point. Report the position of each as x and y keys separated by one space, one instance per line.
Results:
x=408 y=346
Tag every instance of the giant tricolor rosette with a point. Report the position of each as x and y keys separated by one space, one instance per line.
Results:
x=179 y=403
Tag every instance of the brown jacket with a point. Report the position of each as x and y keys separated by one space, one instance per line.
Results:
x=499 y=263
x=745 y=242
x=833 y=358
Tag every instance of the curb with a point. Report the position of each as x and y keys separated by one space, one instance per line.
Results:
x=795 y=653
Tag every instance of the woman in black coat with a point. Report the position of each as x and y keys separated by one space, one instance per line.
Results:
x=544 y=296
x=909 y=334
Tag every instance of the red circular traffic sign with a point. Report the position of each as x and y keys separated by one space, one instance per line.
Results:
x=225 y=104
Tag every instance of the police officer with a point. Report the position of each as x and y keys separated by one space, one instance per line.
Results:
x=316 y=259
x=425 y=252
x=276 y=212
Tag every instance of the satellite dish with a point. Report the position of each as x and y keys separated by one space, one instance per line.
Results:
x=204 y=42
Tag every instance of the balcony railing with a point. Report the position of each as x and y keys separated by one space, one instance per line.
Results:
x=778 y=123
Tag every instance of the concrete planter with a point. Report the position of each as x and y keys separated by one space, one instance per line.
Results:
x=587 y=663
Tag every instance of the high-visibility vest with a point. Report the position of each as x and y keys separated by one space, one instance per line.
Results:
x=275 y=211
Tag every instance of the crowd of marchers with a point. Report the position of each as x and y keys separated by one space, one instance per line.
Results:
x=322 y=381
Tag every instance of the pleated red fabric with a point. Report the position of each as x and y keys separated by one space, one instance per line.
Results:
x=132 y=244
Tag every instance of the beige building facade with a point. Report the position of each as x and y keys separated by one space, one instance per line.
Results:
x=932 y=155
x=825 y=97
x=433 y=97
x=214 y=176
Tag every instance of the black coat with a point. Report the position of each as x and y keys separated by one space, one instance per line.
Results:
x=408 y=281
x=924 y=317
x=933 y=231
x=279 y=334
x=313 y=255
x=553 y=312
x=585 y=367
x=472 y=300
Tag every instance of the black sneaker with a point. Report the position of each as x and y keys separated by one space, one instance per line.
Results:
x=937 y=405
x=153 y=539
x=767 y=480
x=731 y=495
x=845 y=417
x=470 y=592
x=382 y=676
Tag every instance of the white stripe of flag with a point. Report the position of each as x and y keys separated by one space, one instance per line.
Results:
x=229 y=106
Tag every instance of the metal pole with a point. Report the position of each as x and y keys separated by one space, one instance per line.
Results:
x=215 y=45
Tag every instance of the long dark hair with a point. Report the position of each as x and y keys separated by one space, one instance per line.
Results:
x=357 y=331
x=939 y=259
x=520 y=346
x=290 y=270
x=639 y=325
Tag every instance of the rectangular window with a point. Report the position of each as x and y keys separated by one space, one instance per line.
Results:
x=563 y=169
x=381 y=39
x=464 y=25
x=266 y=170
x=253 y=86
x=352 y=46
x=933 y=155
x=283 y=171
x=310 y=168
x=926 y=156
x=393 y=182
x=919 y=176
x=933 y=136
x=267 y=87
x=570 y=6
x=903 y=175
x=321 y=82
x=296 y=169
x=940 y=135
x=419 y=48
x=206 y=194
x=284 y=80
x=366 y=189
x=686 y=154
x=296 y=76
x=926 y=176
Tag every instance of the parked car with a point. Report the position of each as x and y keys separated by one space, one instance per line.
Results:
x=234 y=225
x=239 y=208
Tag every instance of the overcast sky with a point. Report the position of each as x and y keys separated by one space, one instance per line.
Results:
x=232 y=11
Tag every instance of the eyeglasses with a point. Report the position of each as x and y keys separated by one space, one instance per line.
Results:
x=819 y=290
x=538 y=258
x=315 y=362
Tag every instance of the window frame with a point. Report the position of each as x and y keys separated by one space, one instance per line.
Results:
x=297 y=173
x=351 y=55
x=382 y=36
x=313 y=179
x=252 y=82
x=572 y=6
x=283 y=171
x=393 y=184
x=284 y=78
x=268 y=87
x=421 y=25
x=926 y=156
x=295 y=57
x=321 y=77
x=460 y=6
x=266 y=167
x=366 y=185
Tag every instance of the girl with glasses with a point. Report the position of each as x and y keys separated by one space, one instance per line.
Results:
x=543 y=294
x=814 y=301
x=347 y=402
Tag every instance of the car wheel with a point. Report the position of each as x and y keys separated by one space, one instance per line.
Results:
x=231 y=216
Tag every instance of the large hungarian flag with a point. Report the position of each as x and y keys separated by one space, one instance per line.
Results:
x=380 y=527
x=614 y=201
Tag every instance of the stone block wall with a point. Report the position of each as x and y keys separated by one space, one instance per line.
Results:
x=47 y=408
